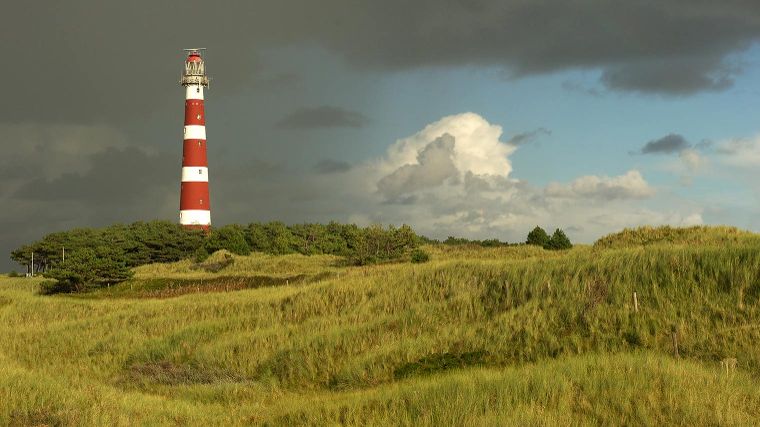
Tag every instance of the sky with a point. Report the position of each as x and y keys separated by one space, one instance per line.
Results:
x=479 y=118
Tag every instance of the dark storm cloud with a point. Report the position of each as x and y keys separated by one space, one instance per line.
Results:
x=673 y=47
x=526 y=137
x=331 y=166
x=668 y=144
x=69 y=63
x=118 y=176
x=322 y=117
x=675 y=76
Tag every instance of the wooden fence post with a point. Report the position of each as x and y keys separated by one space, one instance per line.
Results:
x=675 y=342
x=635 y=302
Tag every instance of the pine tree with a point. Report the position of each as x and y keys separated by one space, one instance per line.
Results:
x=87 y=267
x=559 y=241
x=538 y=237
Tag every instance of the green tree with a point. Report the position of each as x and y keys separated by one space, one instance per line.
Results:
x=230 y=237
x=88 y=267
x=559 y=241
x=281 y=240
x=257 y=237
x=538 y=237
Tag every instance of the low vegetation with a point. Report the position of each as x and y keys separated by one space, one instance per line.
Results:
x=504 y=335
x=101 y=257
x=697 y=235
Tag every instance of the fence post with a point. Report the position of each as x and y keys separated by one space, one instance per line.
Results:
x=635 y=302
x=675 y=342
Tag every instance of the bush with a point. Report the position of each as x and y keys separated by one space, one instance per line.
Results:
x=559 y=241
x=230 y=238
x=85 y=268
x=50 y=287
x=200 y=254
x=419 y=256
x=13 y=273
x=457 y=241
x=538 y=237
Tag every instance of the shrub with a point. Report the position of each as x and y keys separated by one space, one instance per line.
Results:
x=538 y=237
x=89 y=267
x=13 y=273
x=559 y=241
x=200 y=254
x=230 y=238
x=50 y=287
x=419 y=256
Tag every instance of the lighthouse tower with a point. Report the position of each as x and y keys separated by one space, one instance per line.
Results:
x=194 y=206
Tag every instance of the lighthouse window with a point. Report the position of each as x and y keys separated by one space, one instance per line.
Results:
x=201 y=201
x=200 y=171
x=199 y=143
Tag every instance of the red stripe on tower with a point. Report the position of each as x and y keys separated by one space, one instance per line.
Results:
x=194 y=205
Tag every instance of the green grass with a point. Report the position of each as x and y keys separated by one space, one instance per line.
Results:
x=483 y=336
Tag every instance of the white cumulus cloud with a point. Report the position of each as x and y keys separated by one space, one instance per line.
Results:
x=631 y=185
x=477 y=148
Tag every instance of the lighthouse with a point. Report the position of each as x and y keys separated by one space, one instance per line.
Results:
x=194 y=205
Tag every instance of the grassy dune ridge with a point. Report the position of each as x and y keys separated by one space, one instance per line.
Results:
x=478 y=335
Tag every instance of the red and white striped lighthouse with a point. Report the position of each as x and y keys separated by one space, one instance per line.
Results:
x=194 y=206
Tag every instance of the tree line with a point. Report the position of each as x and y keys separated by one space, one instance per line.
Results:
x=97 y=256
x=538 y=237
x=86 y=256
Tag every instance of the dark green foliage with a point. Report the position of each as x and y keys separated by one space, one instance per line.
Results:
x=87 y=267
x=538 y=237
x=487 y=243
x=138 y=243
x=230 y=237
x=491 y=243
x=200 y=254
x=559 y=241
x=50 y=287
x=375 y=244
x=274 y=238
x=13 y=273
x=360 y=245
x=419 y=256
x=162 y=241
x=451 y=240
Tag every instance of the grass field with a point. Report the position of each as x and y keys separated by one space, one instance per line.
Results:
x=483 y=336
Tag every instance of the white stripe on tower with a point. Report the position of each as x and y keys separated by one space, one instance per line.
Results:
x=195 y=132
x=194 y=174
x=194 y=92
x=194 y=217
